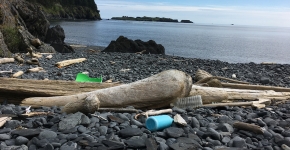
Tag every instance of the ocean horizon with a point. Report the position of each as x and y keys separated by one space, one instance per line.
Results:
x=230 y=43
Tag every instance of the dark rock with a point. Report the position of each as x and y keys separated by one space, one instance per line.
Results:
x=12 y=124
x=225 y=127
x=103 y=130
x=82 y=129
x=22 y=147
x=136 y=142
x=163 y=146
x=55 y=35
x=68 y=146
x=62 y=48
x=174 y=132
x=213 y=134
x=194 y=123
x=151 y=143
x=265 y=80
x=47 y=135
x=7 y=110
x=238 y=142
x=5 y=130
x=116 y=119
x=70 y=121
x=4 y=137
x=21 y=140
x=129 y=132
x=184 y=143
x=125 y=45
x=26 y=132
x=113 y=144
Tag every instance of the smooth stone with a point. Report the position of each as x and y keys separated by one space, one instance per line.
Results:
x=46 y=134
x=194 y=123
x=49 y=147
x=122 y=116
x=70 y=121
x=151 y=143
x=225 y=127
x=226 y=139
x=184 y=143
x=10 y=142
x=238 y=142
x=103 y=130
x=5 y=130
x=129 y=132
x=265 y=80
x=85 y=120
x=69 y=146
x=21 y=140
x=113 y=144
x=4 y=137
x=8 y=110
x=135 y=142
x=22 y=147
x=82 y=129
x=174 y=132
x=163 y=146
x=213 y=134
x=223 y=119
x=12 y=124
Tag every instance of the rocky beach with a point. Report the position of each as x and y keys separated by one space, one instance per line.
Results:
x=206 y=129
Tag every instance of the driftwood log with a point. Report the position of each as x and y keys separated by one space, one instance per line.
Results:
x=156 y=91
x=69 y=62
x=15 y=90
x=213 y=94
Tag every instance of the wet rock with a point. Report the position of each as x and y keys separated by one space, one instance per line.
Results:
x=70 y=121
x=47 y=135
x=26 y=132
x=173 y=132
x=21 y=140
x=113 y=144
x=129 y=132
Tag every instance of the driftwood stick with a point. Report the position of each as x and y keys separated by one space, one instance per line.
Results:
x=69 y=62
x=6 y=60
x=17 y=74
x=19 y=59
x=259 y=104
x=32 y=114
x=255 y=87
x=204 y=80
x=10 y=71
x=36 y=69
x=3 y=120
x=154 y=112
x=248 y=127
x=156 y=91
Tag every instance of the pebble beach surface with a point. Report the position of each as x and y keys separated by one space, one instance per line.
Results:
x=206 y=129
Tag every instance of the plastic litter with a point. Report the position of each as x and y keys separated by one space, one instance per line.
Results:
x=85 y=78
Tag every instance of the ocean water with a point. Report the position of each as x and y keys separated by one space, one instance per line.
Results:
x=231 y=43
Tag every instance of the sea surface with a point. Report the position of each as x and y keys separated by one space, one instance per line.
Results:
x=231 y=43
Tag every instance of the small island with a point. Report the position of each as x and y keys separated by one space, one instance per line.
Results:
x=186 y=21
x=157 y=19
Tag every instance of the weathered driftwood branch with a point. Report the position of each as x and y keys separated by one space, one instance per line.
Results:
x=32 y=114
x=259 y=104
x=17 y=74
x=248 y=127
x=15 y=90
x=212 y=94
x=156 y=91
x=10 y=71
x=255 y=87
x=6 y=60
x=19 y=59
x=36 y=69
x=154 y=112
x=204 y=80
x=69 y=62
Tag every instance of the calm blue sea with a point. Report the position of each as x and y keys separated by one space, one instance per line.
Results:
x=231 y=43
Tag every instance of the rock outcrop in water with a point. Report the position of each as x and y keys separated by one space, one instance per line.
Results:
x=125 y=45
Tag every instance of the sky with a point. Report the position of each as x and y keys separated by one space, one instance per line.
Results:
x=240 y=12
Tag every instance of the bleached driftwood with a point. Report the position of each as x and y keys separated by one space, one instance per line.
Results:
x=49 y=56
x=255 y=87
x=10 y=71
x=156 y=91
x=69 y=62
x=19 y=59
x=3 y=120
x=261 y=103
x=212 y=94
x=6 y=60
x=154 y=112
x=17 y=74
x=36 y=69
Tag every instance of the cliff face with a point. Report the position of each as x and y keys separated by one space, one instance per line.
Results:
x=69 y=9
x=24 y=21
x=20 y=24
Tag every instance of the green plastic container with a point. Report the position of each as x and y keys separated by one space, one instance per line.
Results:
x=85 y=78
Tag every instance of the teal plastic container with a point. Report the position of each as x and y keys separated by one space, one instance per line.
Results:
x=155 y=123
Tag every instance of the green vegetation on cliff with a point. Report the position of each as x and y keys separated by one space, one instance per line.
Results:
x=69 y=9
x=12 y=39
x=157 y=19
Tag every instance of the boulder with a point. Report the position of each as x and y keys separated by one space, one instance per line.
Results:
x=55 y=35
x=125 y=45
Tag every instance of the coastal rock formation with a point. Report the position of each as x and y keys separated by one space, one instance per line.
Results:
x=55 y=36
x=21 y=23
x=186 y=21
x=125 y=45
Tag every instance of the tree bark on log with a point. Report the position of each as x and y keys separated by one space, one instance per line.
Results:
x=156 y=91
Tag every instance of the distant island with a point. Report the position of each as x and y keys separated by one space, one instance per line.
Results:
x=157 y=19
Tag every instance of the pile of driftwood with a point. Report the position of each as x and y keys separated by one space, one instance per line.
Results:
x=157 y=91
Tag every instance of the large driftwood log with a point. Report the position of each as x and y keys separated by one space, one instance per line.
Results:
x=15 y=90
x=212 y=94
x=156 y=91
